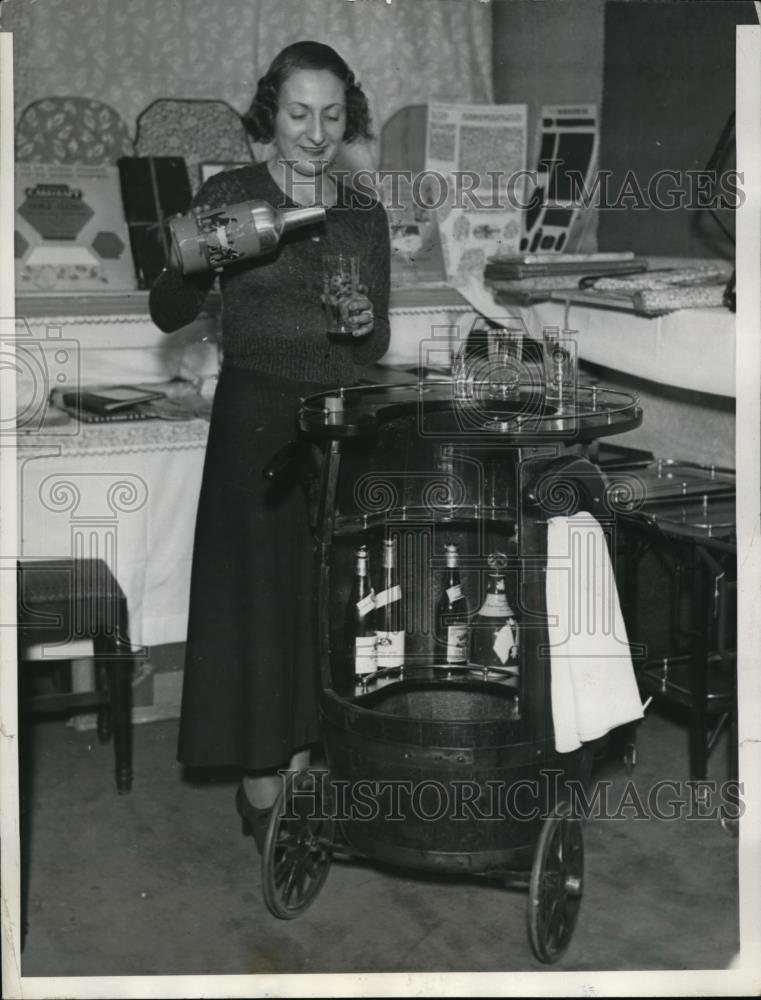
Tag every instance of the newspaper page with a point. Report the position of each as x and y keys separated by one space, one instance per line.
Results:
x=475 y=174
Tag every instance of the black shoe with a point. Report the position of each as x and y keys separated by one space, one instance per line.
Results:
x=255 y=820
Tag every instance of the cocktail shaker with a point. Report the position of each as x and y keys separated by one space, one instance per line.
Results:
x=222 y=236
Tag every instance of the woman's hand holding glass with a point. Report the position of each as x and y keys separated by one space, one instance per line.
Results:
x=357 y=312
x=348 y=310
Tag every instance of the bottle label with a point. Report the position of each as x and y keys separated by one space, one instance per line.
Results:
x=364 y=654
x=388 y=596
x=504 y=643
x=454 y=593
x=390 y=649
x=457 y=643
x=495 y=606
x=366 y=604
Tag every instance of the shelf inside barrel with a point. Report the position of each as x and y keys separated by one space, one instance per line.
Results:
x=437 y=677
x=356 y=524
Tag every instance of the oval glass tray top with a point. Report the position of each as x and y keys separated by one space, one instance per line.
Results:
x=444 y=407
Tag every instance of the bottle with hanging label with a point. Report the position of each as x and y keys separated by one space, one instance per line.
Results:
x=452 y=613
x=494 y=638
x=389 y=622
x=360 y=618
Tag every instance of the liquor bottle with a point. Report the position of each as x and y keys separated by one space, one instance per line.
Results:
x=452 y=612
x=389 y=623
x=494 y=638
x=220 y=236
x=360 y=618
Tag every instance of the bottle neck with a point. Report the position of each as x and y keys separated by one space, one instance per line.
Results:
x=389 y=558
x=361 y=588
x=453 y=560
x=292 y=218
x=495 y=603
x=360 y=569
x=317 y=191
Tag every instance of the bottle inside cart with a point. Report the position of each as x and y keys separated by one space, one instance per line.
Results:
x=494 y=636
x=389 y=618
x=452 y=614
x=360 y=619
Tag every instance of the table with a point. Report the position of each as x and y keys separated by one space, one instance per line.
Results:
x=125 y=492
x=690 y=349
x=681 y=365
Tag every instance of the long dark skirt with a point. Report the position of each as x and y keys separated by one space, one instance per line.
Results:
x=250 y=690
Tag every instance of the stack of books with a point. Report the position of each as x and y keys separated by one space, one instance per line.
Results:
x=531 y=278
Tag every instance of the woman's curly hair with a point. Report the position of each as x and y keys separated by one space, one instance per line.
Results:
x=260 y=117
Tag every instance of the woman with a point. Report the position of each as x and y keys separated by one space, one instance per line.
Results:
x=249 y=695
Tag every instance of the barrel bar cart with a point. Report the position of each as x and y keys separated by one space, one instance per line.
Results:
x=426 y=463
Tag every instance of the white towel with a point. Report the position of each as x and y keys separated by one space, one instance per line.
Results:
x=593 y=685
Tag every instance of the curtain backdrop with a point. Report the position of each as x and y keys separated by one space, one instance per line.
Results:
x=130 y=52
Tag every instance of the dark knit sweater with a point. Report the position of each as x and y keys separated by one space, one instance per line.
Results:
x=272 y=318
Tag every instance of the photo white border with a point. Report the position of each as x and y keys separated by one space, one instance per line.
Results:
x=745 y=979
x=10 y=878
x=748 y=512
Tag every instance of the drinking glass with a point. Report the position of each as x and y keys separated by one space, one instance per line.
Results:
x=560 y=368
x=340 y=276
x=506 y=363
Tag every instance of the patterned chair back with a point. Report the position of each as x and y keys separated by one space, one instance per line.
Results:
x=71 y=130
x=201 y=131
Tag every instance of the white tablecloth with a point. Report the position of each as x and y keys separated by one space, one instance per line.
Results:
x=690 y=348
x=125 y=492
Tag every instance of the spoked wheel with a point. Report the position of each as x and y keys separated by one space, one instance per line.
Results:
x=298 y=849
x=557 y=877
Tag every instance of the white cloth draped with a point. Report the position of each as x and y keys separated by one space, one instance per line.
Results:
x=593 y=687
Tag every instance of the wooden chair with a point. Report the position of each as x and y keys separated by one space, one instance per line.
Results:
x=61 y=600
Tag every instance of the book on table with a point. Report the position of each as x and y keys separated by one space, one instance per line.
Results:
x=112 y=402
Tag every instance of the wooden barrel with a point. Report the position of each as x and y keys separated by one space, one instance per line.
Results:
x=441 y=774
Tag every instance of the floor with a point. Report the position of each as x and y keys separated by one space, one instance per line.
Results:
x=161 y=881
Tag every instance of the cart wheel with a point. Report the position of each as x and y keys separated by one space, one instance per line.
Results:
x=557 y=877
x=298 y=847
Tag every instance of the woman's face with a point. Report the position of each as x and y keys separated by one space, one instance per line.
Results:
x=310 y=120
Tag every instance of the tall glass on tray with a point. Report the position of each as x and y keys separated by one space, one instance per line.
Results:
x=506 y=362
x=560 y=352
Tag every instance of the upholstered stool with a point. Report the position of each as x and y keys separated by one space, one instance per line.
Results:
x=62 y=600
